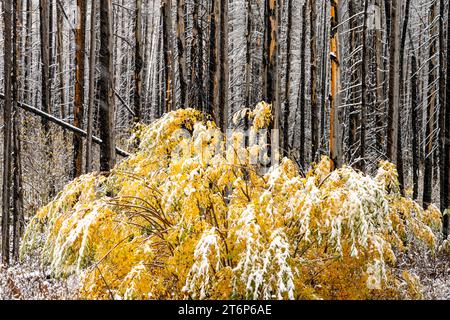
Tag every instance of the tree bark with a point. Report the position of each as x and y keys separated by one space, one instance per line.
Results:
x=353 y=117
x=138 y=62
x=363 y=121
x=28 y=96
x=7 y=130
x=18 y=222
x=302 y=95
x=379 y=85
x=181 y=47
x=414 y=128
x=287 y=106
x=78 y=108
x=224 y=71
x=214 y=61
x=335 y=115
x=90 y=111
x=315 y=138
x=393 y=95
x=270 y=75
x=45 y=60
x=105 y=88
x=444 y=122
x=248 y=55
x=168 y=54
x=401 y=178
x=428 y=162
x=60 y=61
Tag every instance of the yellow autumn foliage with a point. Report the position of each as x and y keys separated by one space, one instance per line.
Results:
x=188 y=216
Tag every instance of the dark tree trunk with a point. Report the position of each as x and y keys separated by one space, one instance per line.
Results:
x=248 y=55
x=105 y=88
x=363 y=121
x=270 y=76
x=445 y=123
x=315 y=139
x=353 y=120
x=181 y=47
x=28 y=96
x=428 y=162
x=7 y=130
x=287 y=107
x=168 y=54
x=138 y=62
x=414 y=128
x=90 y=111
x=402 y=90
x=393 y=95
x=223 y=79
x=45 y=60
x=60 y=58
x=302 y=95
x=336 y=115
x=78 y=108
x=17 y=193
x=214 y=61
x=442 y=99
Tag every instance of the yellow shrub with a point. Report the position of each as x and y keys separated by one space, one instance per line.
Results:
x=186 y=217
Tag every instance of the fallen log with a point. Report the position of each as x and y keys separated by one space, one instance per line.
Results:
x=63 y=124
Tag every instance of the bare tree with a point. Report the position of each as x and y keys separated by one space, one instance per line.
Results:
x=7 y=131
x=138 y=62
x=78 y=110
x=105 y=88
x=92 y=64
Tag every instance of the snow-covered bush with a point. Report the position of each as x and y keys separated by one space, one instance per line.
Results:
x=187 y=217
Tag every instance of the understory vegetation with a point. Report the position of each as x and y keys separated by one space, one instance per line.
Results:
x=190 y=215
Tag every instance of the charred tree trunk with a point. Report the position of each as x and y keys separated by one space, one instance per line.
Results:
x=214 y=62
x=224 y=71
x=287 y=106
x=324 y=74
x=446 y=181
x=18 y=222
x=315 y=139
x=60 y=61
x=168 y=54
x=353 y=120
x=401 y=178
x=270 y=75
x=7 y=130
x=138 y=62
x=302 y=95
x=28 y=55
x=78 y=108
x=415 y=154
x=181 y=47
x=248 y=55
x=393 y=95
x=379 y=84
x=105 y=88
x=363 y=121
x=335 y=115
x=428 y=162
x=90 y=111
x=443 y=121
x=45 y=60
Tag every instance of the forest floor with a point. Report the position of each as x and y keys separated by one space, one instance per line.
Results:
x=28 y=281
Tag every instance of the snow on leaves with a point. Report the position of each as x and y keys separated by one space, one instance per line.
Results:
x=189 y=216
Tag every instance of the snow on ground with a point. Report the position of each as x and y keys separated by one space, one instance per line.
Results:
x=28 y=281
x=433 y=271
